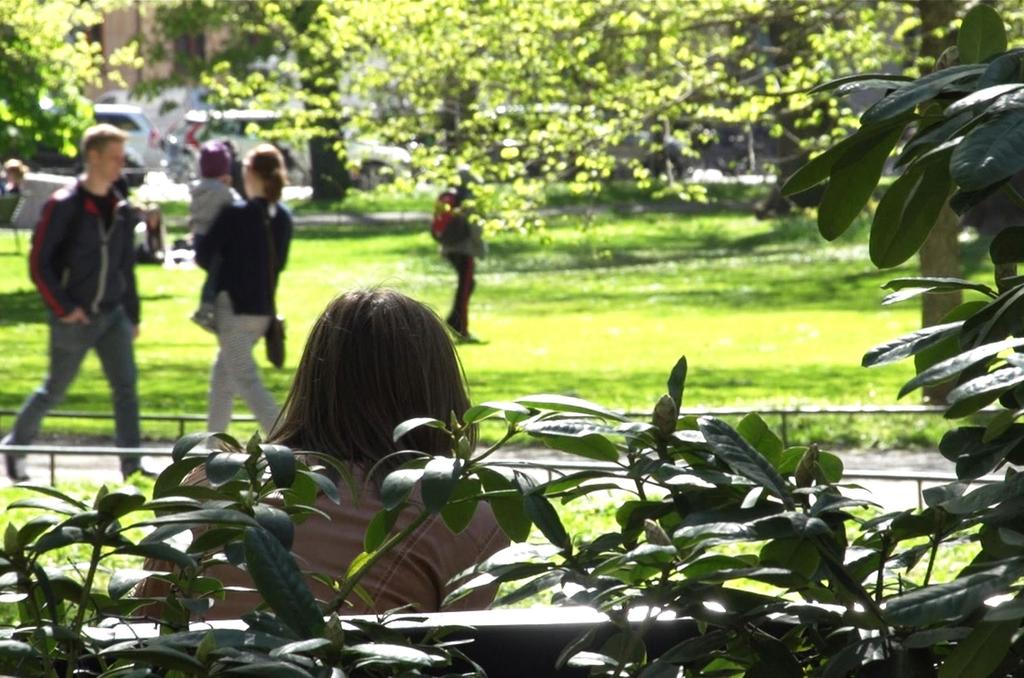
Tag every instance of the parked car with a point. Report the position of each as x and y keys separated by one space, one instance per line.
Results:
x=373 y=163
x=143 y=136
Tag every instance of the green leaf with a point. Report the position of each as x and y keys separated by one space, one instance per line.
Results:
x=485 y=410
x=1004 y=68
x=971 y=396
x=580 y=438
x=460 y=509
x=929 y=138
x=544 y=516
x=942 y=371
x=412 y=424
x=560 y=403
x=927 y=284
x=511 y=516
x=281 y=461
x=186 y=443
x=852 y=180
x=389 y=654
x=991 y=152
x=159 y=551
x=124 y=580
x=950 y=601
x=158 y=655
x=728 y=446
x=980 y=653
x=907 y=213
x=895 y=78
x=269 y=669
x=300 y=646
x=171 y=478
x=281 y=583
x=202 y=517
x=1008 y=246
x=981 y=35
x=755 y=431
x=909 y=344
x=56 y=494
x=906 y=99
x=677 y=382
x=997 y=320
x=818 y=168
x=982 y=96
x=45 y=504
x=378 y=530
x=123 y=501
x=326 y=485
x=799 y=556
x=439 y=478
x=276 y=522
x=397 y=485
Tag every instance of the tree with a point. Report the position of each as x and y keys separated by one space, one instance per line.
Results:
x=47 y=62
x=531 y=91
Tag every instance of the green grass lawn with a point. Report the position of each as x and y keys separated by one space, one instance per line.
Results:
x=766 y=312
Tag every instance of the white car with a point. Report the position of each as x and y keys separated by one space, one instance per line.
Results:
x=144 y=139
x=373 y=163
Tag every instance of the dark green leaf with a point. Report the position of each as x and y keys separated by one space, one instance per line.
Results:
x=991 y=152
x=439 y=478
x=121 y=502
x=530 y=589
x=907 y=213
x=124 y=580
x=981 y=652
x=1004 y=68
x=485 y=410
x=799 y=556
x=851 y=182
x=940 y=372
x=412 y=424
x=281 y=461
x=388 y=653
x=907 y=98
x=981 y=96
x=560 y=403
x=171 y=478
x=56 y=494
x=976 y=393
x=222 y=467
x=269 y=669
x=159 y=551
x=53 y=505
x=950 y=601
x=820 y=166
x=1008 y=246
x=544 y=516
x=894 y=78
x=326 y=485
x=397 y=485
x=728 y=446
x=202 y=517
x=281 y=583
x=929 y=138
x=185 y=444
x=853 y=656
x=909 y=344
x=677 y=381
x=996 y=320
x=981 y=35
x=276 y=522
x=158 y=655
x=58 y=538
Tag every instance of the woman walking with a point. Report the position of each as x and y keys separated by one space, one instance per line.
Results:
x=251 y=239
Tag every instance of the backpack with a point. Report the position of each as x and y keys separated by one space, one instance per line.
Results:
x=450 y=225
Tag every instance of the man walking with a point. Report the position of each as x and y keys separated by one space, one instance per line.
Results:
x=83 y=264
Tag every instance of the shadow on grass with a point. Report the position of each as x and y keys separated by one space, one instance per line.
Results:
x=21 y=306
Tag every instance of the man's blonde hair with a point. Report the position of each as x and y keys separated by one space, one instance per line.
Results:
x=98 y=136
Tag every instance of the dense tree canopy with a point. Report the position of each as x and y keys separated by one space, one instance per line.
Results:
x=47 y=63
x=539 y=88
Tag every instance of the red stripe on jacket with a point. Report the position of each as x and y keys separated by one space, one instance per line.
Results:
x=37 y=276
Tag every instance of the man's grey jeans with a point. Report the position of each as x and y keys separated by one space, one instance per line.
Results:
x=110 y=333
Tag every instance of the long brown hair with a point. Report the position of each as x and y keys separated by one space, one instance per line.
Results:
x=268 y=164
x=374 y=359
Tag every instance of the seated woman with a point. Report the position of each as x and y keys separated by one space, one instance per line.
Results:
x=374 y=359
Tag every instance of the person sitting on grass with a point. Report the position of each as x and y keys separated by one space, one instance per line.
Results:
x=374 y=359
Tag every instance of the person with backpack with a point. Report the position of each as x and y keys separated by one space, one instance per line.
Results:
x=461 y=240
x=83 y=264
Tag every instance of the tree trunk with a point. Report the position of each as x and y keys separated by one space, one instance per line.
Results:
x=940 y=254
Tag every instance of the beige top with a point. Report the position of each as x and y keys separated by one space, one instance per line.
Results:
x=415 y=572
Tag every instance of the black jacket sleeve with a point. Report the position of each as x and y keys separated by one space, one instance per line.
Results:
x=127 y=265
x=44 y=266
x=210 y=246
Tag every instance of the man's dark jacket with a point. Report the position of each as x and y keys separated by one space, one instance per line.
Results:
x=78 y=259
